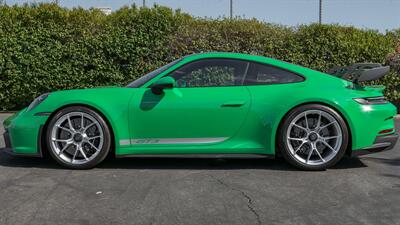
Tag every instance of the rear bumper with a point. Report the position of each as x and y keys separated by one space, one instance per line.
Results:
x=382 y=143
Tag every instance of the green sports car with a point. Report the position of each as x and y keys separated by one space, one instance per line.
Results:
x=213 y=105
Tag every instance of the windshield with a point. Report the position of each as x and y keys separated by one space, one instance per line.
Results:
x=142 y=80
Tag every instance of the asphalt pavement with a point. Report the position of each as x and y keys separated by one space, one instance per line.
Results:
x=363 y=190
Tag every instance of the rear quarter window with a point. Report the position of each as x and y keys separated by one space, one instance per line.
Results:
x=260 y=74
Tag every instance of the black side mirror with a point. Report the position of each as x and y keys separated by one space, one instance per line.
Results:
x=163 y=83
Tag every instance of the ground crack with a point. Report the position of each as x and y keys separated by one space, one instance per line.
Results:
x=249 y=200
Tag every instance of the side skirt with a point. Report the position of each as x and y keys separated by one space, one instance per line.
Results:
x=202 y=156
x=9 y=151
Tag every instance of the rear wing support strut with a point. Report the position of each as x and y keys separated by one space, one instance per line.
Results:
x=360 y=72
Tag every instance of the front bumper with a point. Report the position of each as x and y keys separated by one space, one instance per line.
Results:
x=9 y=149
x=23 y=134
x=7 y=141
x=382 y=143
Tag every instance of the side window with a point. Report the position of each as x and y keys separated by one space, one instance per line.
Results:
x=210 y=73
x=265 y=74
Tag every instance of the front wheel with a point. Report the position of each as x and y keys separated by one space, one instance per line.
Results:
x=78 y=137
x=313 y=137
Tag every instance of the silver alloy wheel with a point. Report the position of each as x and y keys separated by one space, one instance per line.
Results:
x=314 y=137
x=77 y=138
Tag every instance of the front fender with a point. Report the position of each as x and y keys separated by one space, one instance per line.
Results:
x=112 y=103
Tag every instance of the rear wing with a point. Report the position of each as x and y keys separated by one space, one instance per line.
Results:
x=360 y=72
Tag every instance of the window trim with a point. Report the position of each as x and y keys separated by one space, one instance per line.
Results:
x=249 y=62
x=276 y=67
x=174 y=63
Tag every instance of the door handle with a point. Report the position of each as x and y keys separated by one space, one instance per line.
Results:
x=233 y=104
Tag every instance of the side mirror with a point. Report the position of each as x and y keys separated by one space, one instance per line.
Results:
x=163 y=83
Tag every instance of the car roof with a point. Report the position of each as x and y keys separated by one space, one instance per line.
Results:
x=241 y=56
x=261 y=59
x=226 y=55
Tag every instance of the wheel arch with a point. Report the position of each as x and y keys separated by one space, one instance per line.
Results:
x=102 y=114
x=333 y=107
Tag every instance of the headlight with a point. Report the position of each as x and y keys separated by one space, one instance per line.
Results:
x=37 y=101
x=371 y=100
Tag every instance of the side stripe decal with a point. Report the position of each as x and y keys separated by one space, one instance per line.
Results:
x=156 y=141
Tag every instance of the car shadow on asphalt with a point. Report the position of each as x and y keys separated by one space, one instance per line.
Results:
x=175 y=163
x=391 y=162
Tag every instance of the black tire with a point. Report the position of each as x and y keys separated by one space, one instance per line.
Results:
x=98 y=156
x=293 y=158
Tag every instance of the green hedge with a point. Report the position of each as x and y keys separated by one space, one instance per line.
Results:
x=45 y=48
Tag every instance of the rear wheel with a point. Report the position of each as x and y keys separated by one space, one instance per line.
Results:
x=313 y=137
x=78 y=137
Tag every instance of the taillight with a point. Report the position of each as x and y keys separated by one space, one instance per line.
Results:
x=386 y=131
x=371 y=100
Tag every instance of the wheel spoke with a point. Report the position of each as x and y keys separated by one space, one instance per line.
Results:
x=328 y=145
x=303 y=128
x=70 y=123
x=316 y=150
x=90 y=143
x=61 y=140
x=310 y=154
x=91 y=138
x=325 y=126
x=83 y=153
x=82 y=120
x=296 y=139
x=88 y=126
x=330 y=137
x=298 y=148
x=64 y=148
x=305 y=116
x=66 y=129
x=76 y=152
x=319 y=120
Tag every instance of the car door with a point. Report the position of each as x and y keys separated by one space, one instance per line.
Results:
x=207 y=106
